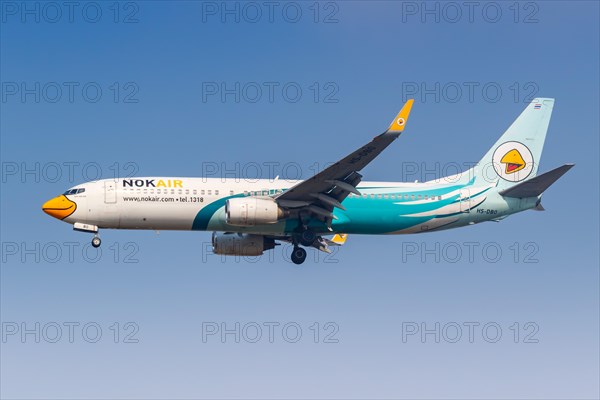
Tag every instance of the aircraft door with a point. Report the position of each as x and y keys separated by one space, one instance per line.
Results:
x=110 y=192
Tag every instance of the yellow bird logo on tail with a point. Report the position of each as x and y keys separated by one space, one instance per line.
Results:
x=514 y=161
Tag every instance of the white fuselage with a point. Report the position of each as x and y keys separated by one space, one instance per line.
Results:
x=198 y=204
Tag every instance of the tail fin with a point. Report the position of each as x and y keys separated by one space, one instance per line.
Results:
x=516 y=155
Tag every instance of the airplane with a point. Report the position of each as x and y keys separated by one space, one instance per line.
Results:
x=249 y=218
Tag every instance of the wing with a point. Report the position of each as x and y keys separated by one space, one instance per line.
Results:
x=326 y=190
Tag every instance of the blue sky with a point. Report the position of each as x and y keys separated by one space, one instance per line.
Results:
x=177 y=88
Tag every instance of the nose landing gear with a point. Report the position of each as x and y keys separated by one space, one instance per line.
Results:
x=96 y=242
x=81 y=227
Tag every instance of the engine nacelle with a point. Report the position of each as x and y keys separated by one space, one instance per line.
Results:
x=240 y=244
x=250 y=211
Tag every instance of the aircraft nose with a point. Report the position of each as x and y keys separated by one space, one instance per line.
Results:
x=59 y=207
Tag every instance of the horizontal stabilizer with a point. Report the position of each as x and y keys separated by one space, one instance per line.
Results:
x=536 y=186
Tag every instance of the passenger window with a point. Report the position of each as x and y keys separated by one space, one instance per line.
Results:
x=202 y=192
x=231 y=192
x=180 y=191
x=172 y=191
x=216 y=192
x=245 y=193
x=426 y=197
x=412 y=196
x=439 y=197
x=209 y=192
x=187 y=191
x=419 y=197
x=386 y=196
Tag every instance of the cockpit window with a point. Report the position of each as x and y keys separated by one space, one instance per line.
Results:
x=74 y=191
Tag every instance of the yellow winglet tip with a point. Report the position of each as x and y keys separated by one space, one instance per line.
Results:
x=399 y=122
x=339 y=238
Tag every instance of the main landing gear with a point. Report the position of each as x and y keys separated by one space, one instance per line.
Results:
x=306 y=238
x=298 y=255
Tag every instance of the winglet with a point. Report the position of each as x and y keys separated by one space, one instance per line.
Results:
x=399 y=122
x=339 y=238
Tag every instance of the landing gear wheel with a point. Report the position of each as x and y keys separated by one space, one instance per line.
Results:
x=307 y=237
x=96 y=242
x=298 y=255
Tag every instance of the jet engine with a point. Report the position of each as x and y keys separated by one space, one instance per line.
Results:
x=240 y=244
x=250 y=211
